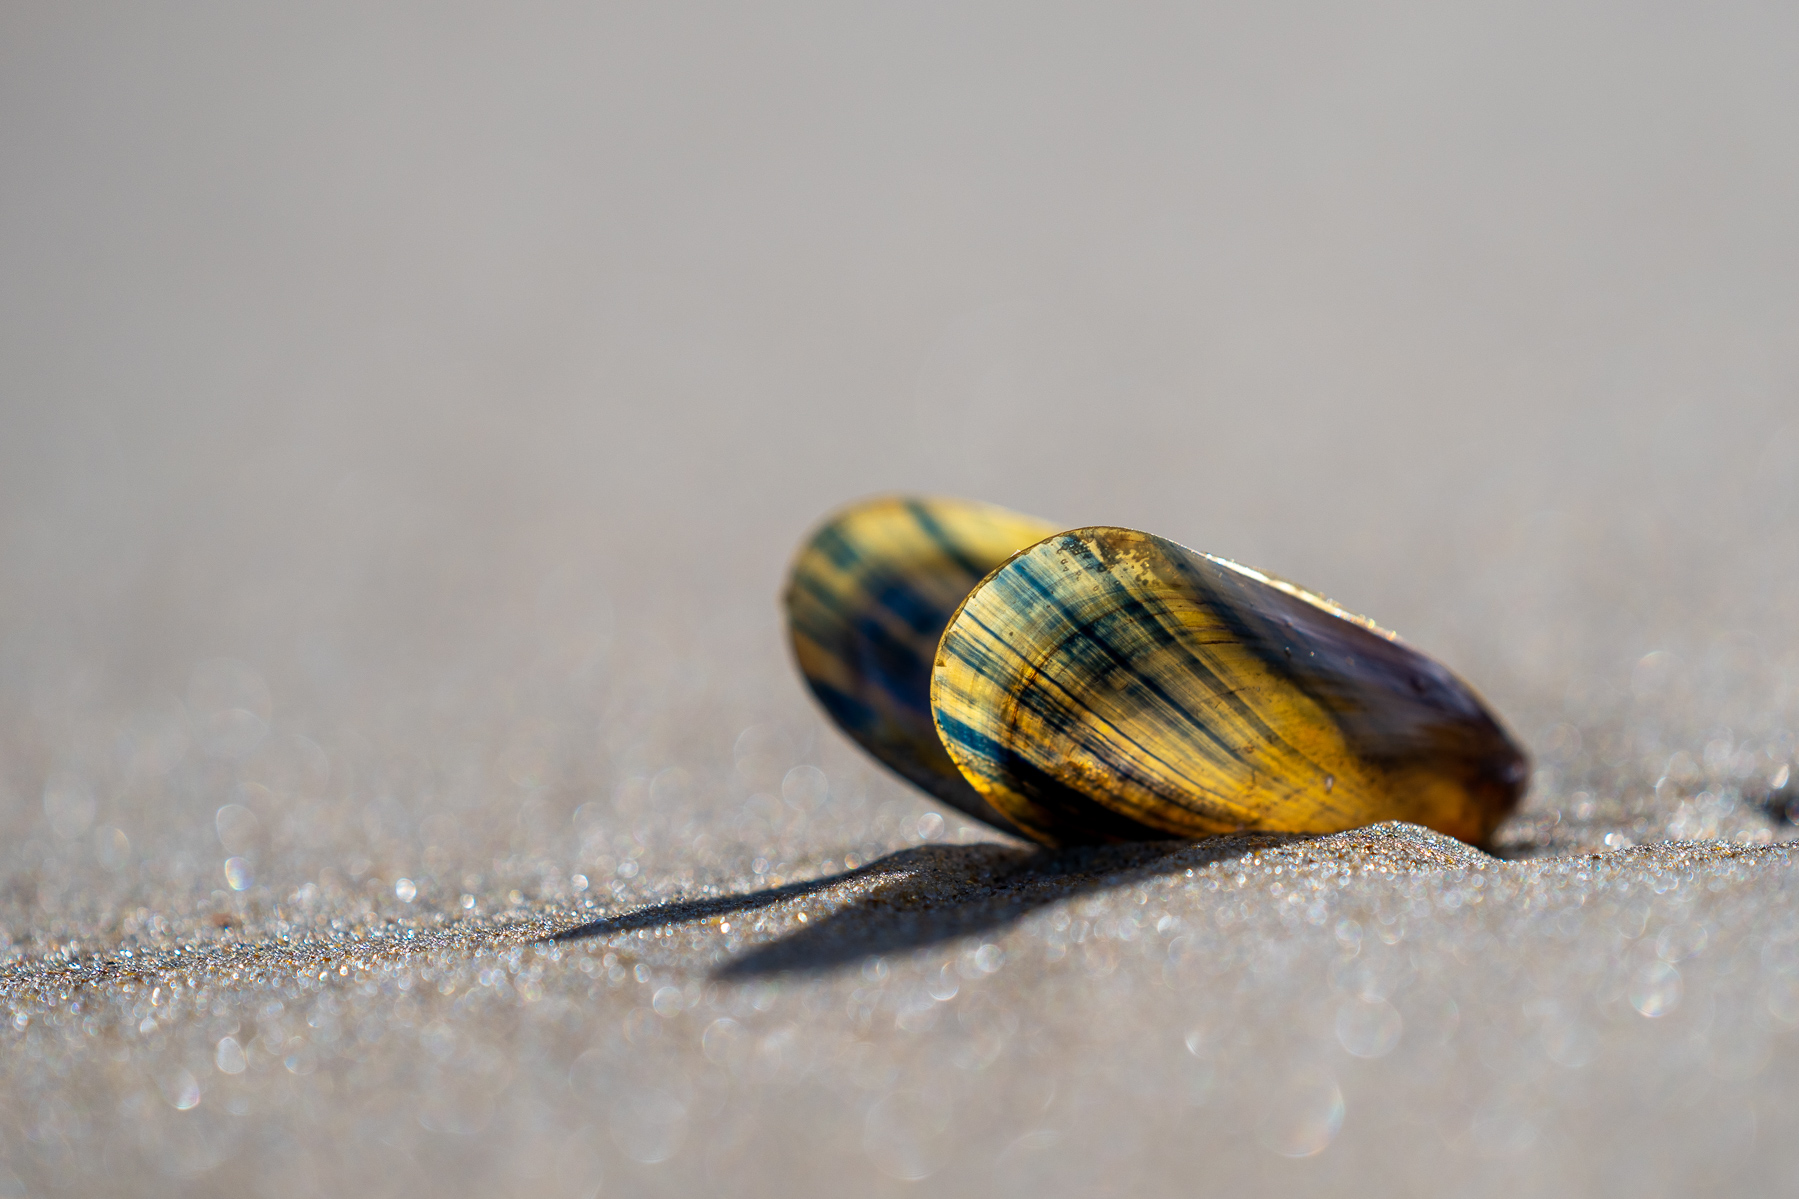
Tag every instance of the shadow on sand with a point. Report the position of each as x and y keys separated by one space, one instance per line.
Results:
x=921 y=897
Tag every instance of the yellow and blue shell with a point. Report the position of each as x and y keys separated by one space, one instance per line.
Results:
x=1104 y=684
x=867 y=601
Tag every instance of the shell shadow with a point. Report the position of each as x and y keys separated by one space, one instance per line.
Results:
x=921 y=897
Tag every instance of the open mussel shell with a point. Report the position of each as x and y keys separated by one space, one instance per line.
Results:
x=1107 y=684
x=867 y=601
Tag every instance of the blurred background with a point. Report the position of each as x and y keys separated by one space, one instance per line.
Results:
x=329 y=334
x=408 y=412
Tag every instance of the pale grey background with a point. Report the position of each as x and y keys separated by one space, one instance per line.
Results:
x=309 y=307
x=465 y=376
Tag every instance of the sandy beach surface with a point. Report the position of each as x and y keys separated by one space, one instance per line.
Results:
x=406 y=422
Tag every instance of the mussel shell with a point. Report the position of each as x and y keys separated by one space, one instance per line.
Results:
x=867 y=601
x=1108 y=684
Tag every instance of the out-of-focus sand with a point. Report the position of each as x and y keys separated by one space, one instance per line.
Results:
x=405 y=422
